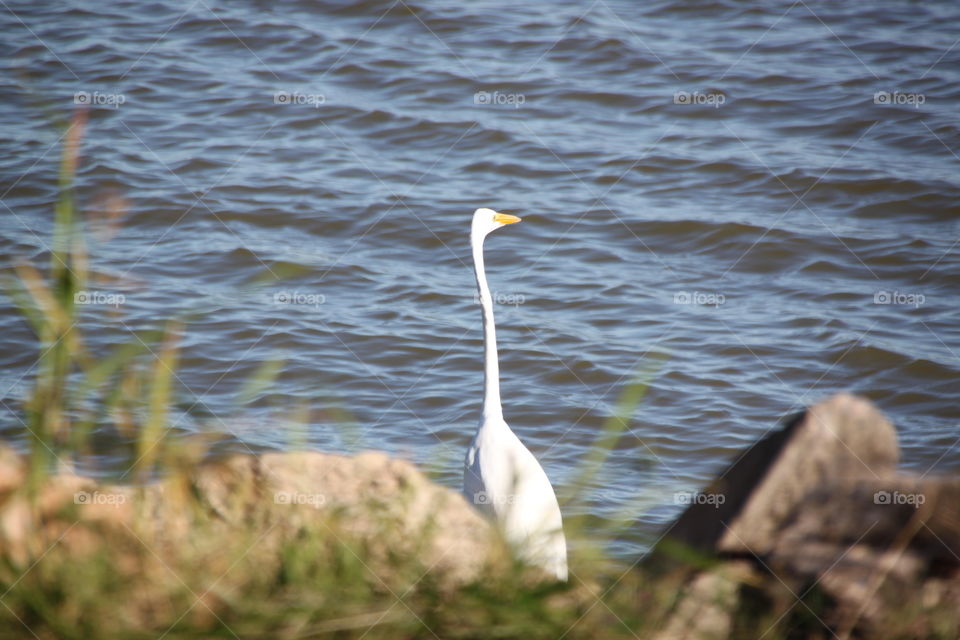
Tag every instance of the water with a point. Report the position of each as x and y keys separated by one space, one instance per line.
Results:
x=755 y=206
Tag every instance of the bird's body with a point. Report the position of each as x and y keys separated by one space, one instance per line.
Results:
x=500 y=475
x=506 y=482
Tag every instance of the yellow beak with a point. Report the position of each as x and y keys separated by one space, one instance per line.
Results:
x=505 y=218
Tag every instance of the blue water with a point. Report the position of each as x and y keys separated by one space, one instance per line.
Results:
x=750 y=207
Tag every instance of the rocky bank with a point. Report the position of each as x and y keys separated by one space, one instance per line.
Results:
x=816 y=531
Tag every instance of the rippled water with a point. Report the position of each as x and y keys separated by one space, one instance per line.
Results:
x=756 y=205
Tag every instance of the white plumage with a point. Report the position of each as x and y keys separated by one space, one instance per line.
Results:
x=500 y=475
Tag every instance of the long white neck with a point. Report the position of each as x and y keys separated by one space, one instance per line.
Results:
x=491 y=370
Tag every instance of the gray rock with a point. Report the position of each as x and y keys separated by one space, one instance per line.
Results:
x=841 y=438
x=817 y=509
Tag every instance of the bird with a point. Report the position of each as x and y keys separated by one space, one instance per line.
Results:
x=501 y=477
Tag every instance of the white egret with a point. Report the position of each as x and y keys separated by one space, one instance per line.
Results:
x=500 y=475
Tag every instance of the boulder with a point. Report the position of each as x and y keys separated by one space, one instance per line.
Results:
x=817 y=511
x=842 y=438
x=384 y=506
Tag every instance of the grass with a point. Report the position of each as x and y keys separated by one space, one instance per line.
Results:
x=74 y=391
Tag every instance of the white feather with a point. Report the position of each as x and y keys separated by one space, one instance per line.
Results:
x=500 y=475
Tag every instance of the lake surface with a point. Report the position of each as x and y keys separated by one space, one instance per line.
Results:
x=751 y=207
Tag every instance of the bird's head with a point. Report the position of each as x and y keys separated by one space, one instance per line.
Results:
x=487 y=220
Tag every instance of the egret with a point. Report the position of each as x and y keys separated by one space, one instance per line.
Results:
x=500 y=475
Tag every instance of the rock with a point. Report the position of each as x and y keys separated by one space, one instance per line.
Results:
x=385 y=506
x=28 y=524
x=842 y=437
x=817 y=509
x=386 y=502
x=12 y=470
x=707 y=604
x=872 y=546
